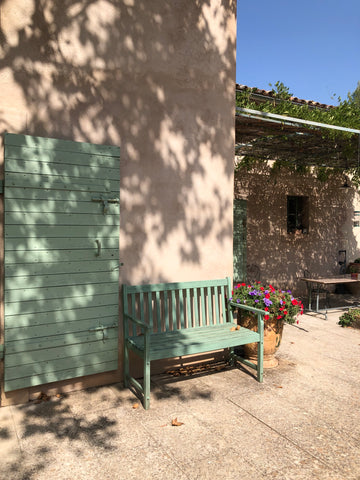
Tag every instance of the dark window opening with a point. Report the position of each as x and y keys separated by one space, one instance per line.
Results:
x=297 y=214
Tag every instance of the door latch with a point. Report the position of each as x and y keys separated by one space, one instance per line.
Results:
x=103 y=329
x=105 y=202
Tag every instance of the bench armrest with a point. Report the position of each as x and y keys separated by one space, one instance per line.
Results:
x=138 y=322
x=260 y=314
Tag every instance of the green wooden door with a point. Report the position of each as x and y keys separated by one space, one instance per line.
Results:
x=239 y=241
x=61 y=260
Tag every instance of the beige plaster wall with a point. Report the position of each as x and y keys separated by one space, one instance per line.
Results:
x=156 y=78
x=282 y=257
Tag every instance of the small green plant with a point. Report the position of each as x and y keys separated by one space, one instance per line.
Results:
x=351 y=318
x=357 y=260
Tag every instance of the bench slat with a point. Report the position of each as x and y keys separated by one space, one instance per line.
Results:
x=133 y=312
x=181 y=308
x=203 y=311
x=173 y=305
x=166 y=311
x=188 y=308
x=158 y=319
x=216 y=295
x=209 y=302
x=223 y=306
x=150 y=312
x=196 y=307
x=141 y=305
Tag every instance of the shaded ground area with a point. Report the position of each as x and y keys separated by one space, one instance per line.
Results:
x=301 y=423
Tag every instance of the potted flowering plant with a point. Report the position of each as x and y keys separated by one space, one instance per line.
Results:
x=279 y=305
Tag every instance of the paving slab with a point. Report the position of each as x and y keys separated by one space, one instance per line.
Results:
x=301 y=423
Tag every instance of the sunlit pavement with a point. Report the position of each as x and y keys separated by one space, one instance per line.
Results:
x=303 y=422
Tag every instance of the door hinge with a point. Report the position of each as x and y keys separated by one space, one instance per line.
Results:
x=2 y=351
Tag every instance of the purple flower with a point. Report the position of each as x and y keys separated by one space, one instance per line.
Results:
x=267 y=302
x=256 y=301
x=238 y=300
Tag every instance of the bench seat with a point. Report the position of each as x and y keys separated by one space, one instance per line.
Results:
x=192 y=341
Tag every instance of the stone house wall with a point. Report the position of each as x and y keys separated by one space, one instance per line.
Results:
x=282 y=256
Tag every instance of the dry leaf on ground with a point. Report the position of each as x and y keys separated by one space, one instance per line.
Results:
x=176 y=423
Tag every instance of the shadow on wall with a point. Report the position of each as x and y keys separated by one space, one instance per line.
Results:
x=282 y=256
x=155 y=78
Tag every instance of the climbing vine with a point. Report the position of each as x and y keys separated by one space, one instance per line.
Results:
x=346 y=114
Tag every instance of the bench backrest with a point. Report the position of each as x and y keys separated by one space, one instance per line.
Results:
x=172 y=306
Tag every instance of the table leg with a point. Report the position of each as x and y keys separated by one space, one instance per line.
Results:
x=317 y=298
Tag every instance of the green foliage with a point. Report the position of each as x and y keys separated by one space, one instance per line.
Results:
x=355 y=96
x=324 y=173
x=351 y=318
x=346 y=114
x=281 y=90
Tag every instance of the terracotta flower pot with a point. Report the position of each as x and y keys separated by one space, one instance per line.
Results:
x=273 y=330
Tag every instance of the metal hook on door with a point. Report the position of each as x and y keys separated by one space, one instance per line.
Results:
x=98 y=253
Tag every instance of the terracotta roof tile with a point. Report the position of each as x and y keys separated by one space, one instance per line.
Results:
x=272 y=94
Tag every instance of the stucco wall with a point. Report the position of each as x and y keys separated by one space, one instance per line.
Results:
x=156 y=78
x=282 y=257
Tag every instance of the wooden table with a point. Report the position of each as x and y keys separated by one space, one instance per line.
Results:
x=317 y=282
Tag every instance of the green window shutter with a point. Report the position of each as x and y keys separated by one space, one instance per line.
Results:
x=61 y=260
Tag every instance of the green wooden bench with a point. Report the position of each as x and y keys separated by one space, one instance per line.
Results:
x=175 y=319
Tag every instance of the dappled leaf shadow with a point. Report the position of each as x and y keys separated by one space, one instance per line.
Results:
x=283 y=257
x=4 y=433
x=57 y=419
x=156 y=79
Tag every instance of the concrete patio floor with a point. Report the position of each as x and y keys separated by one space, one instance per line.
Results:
x=303 y=422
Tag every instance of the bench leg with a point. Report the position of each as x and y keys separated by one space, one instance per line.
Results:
x=147 y=372
x=146 y=384
x=231 y=356
x=260 y=361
